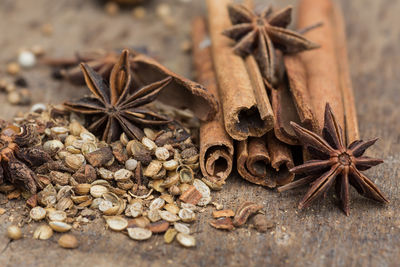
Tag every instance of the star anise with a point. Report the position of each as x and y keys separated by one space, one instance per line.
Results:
x=262 y=33
x=18 y=155
x=333 y=161
x=118 y=107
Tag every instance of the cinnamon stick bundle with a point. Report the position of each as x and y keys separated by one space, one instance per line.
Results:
x=322 y=75
x=245 y=114
x=216 y=146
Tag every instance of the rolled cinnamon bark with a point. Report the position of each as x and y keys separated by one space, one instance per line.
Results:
x=321 y=64
x=264 y=161
x=216 y=146
x=242 y=115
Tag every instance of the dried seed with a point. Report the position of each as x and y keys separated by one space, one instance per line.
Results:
x=53 y=146
x=213 y=182
x=88 y=147
x=186 y=174
x=139 y=152
x=131 y=164
x=153 y=215
x=244 y=211
x=98 y=190
x=182 y=228
x=2 y=211
x=149 y=144
x=59 y=130
x=74 y=161
x=162 y=153
x=164 y=138
x=172 y=208
x=85 y=174
x=80 y=199
x=134 y=210
x=82 y=189
x=57 y=216
x=158 y=227
x=186 y=240
x=168 y=198
x=13 y=68
x=149 y=133
x=37 y=213
x=223 y=213
x=68 y=241
x=87 y=137
x=122 y=175
x=191 y=195
x=170 y=181
x=64 y=204
x=157 y=185
x=116 y=223
x=60 y=226
x=157 y=204
x=170 y=165
x=77 y=144
x=190 y=155
x=105 y=174
x=43 y=232
x=261 y=223
x=174 y=190
x=224 y=223
x=59 y=178
x=141 y=222
x=75 y=128
x=187 y=215
x=204 y=191
x=26 y=59
x=170 y=235
x=14 y=232
x=137 y=233
x=153 y=169
x=168 y=216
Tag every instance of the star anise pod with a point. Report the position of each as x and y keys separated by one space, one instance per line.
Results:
x=333 y=161
x=118 y=107
x=18 y=155
x=261 y=34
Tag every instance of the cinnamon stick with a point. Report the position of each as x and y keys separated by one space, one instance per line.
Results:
x=216 y=146
x=321 y=64
x=242 y=115
x=322 y=75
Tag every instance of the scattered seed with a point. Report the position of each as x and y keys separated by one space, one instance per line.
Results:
x=186 y=240
x=131 y=164
x=68 y=241
x=187 y=215
x=37 y=213
x=223 y=213
x=182 y=228
x=137 y=233
x=43 y=232
x=261 y=223
x=224 y=223
x=158 y=227
x=116 y=223
x=169 y=235
x=244 y=211
x=60 y=226
x=157 y=204
x=168 y=216
x=14 y=232
x=98 y=190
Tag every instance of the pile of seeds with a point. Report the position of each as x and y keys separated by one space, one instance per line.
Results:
x=140 y=187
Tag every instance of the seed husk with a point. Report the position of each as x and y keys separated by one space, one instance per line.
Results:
x=74 y=161
x=182 y=228
x=204 y=191
x=98 y=190
x=57 y=216
x=186 y=174
x=170 y=165
x=131 y=164
x=149 y=144
x=53 y=146
x=162 y=153
x=82 y=189
x=153 y=215
x=172 y=208
x=116 y=223
x=141 y=222
x=122 y=175
x=191 y=195
x=68 y=241
x=157 y=204
x=43 y=232
x=186 y=240
x=65 y=203
x=60 y=226
x=139 y=234
x=37 y=213
x=169 y=235
x=187 y=215
x=105 y=174
x=153 y=169
x=14 y=232
x=168 y=216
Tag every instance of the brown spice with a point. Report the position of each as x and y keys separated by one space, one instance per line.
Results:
x=223 y=213
x=191 y=195
x=158 y=227
x=244 y=211
x=224 y=223
x=216 y=146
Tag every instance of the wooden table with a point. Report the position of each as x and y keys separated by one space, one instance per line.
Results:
x=320 y=235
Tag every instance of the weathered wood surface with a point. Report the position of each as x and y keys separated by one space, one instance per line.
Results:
x=318 y=236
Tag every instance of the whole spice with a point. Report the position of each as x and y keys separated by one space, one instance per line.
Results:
x=334 y=161
x=14 y=232
x=216 y=146
x=118 y=107
x=68 y=241
x=260 y=34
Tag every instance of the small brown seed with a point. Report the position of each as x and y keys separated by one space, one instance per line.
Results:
x=68 y=241
x=182 y=228
x=100 y=157
x=74 y=161
x=82 y=189
x=43 y=232
x=60 y=226
x=141 y=222
x=13 y=68
x=244 y=211
x=162 y=153
x=116 y=223
x=261 y=223
x=168 y=216
x=139 y=234
x=158 y=227
x=157 y=204
x=98 y=190
x=187 y=215
x=37 y=213
x=186 y=240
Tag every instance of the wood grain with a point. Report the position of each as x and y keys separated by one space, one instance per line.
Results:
x=318 y=236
